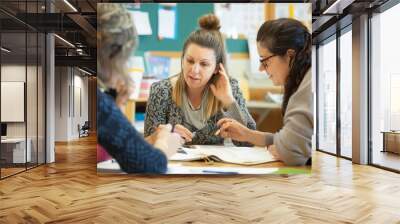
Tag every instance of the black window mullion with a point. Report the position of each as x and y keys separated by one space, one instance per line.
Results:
x=37 y=90
x=316 y=97
x=338 y=94
x=26 y=86
x=369 y=89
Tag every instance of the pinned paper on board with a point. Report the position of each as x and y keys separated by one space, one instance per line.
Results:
x=239 y=20
x=142 y=22
x=135 y=67
x=166 y=23
x=157 y=66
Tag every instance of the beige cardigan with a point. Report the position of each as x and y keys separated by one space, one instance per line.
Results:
x=293 y=141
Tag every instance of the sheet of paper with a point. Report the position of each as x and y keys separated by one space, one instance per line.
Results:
x=166 y=23
x=240 y=19
x=142 y=22
x=238 y=155
x=179 y=169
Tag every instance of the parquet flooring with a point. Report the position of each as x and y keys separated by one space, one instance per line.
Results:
x=70 y=191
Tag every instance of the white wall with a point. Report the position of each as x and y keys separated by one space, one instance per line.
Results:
x=61 y=103
x=80 y=110
x=71 y=94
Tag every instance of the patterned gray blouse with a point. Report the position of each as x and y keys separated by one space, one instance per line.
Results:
x=161 y=109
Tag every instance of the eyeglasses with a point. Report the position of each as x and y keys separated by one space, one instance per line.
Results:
x=264 y=61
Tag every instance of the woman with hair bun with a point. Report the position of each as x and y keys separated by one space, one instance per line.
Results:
x=201 y=94
x=284 y=46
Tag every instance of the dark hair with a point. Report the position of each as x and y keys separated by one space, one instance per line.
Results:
x=280 y=35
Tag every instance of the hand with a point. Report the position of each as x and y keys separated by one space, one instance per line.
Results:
x=183 y=132
x=151 y=139
x=221 y=88
x=274 y=152
x=230 y=128
x=166 y=141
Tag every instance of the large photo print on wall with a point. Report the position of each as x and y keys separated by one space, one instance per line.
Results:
x=211 y=89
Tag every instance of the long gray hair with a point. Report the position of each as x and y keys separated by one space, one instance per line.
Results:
x=116 y=40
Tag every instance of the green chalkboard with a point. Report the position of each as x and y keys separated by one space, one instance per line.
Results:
x=187 y=16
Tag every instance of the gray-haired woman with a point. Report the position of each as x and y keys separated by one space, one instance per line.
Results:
x=117 y=39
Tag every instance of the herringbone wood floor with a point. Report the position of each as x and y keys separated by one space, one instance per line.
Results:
x=70 y=191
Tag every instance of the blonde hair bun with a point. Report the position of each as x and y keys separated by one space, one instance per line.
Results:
x=209 y=22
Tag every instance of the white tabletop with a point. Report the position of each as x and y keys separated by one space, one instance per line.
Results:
x=13 y=140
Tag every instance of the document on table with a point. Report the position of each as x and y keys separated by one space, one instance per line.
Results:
x=182 y=169
x=232 y=154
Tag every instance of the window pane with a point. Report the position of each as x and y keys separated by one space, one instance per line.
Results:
x=385 y=86
x=346 y=94
x=327 y=96
x=31 y=97
x=41 y=98
x=14 y=148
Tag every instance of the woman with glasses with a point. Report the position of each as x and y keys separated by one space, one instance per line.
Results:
x=201 y=94
x=284 y=46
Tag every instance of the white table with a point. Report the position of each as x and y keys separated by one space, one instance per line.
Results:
x=112 y=167
x=18 y=145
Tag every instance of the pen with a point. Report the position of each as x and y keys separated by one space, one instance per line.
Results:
x=188 y=125
x=173 y=128
x=188 y=146
x=220 y=172
x=181 y=151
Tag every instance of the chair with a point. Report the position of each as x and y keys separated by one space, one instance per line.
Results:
x=84 y=130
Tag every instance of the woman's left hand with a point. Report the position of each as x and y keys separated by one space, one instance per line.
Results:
x=221 y=88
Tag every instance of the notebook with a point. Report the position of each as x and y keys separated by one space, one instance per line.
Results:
x=226 y=154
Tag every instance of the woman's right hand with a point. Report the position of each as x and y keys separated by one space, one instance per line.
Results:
x=167 y=141
x=230 y=128
x=183 y=132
